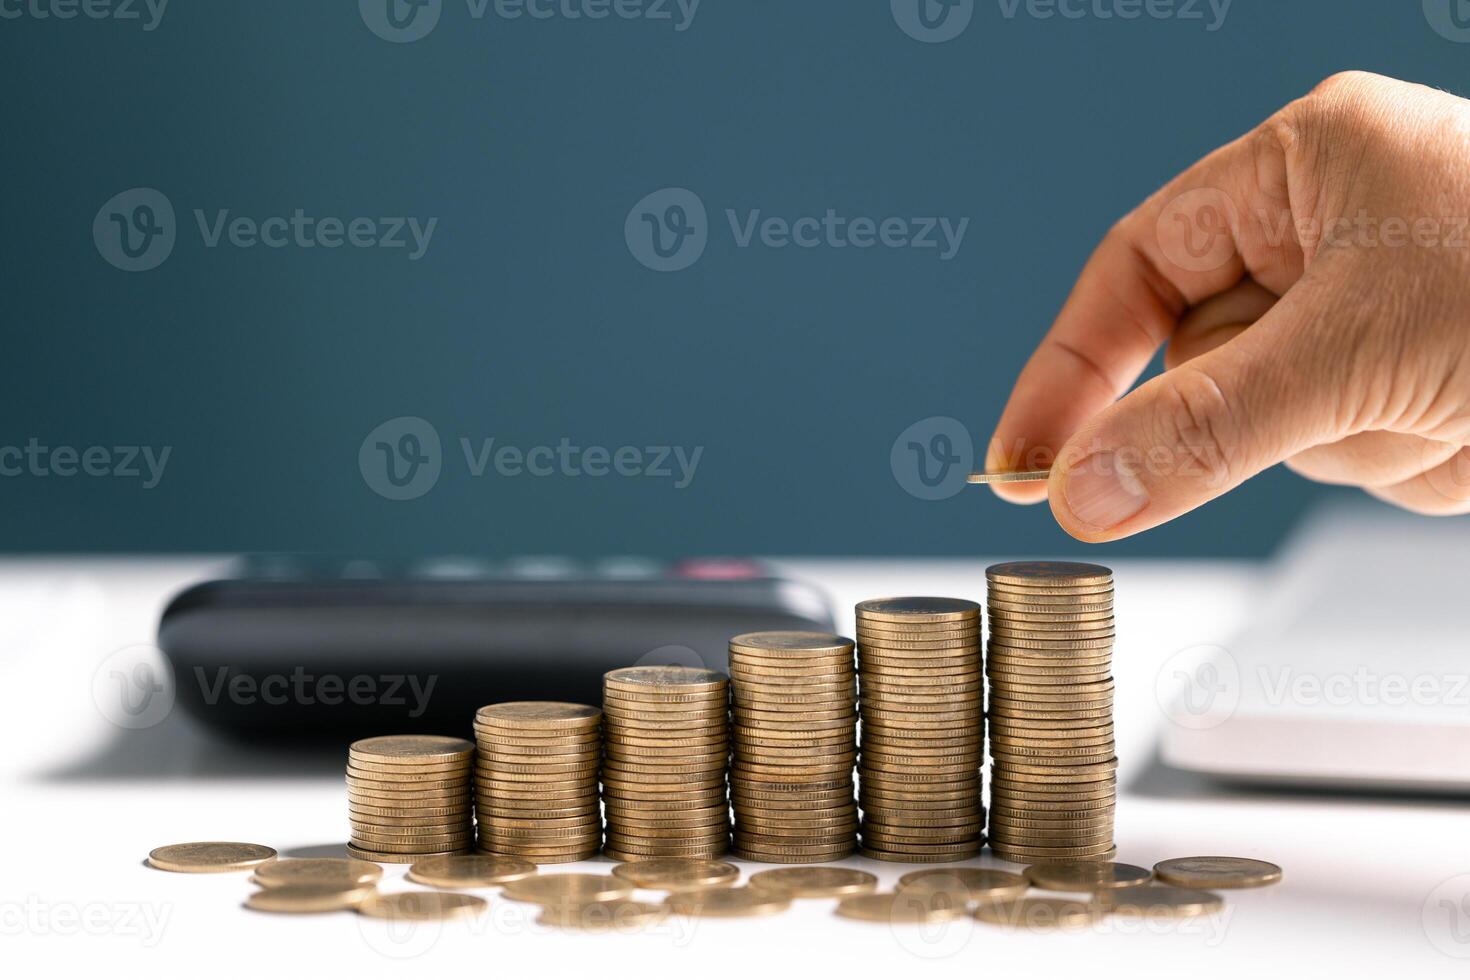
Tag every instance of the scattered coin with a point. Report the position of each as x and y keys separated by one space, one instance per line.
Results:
x=726 y=903
x=1086 y=876
x=814 y=882
x=317 y=873
x=210 y=856
x=469 y=870
x=1038 y=913
x=298 y=899
x=552 y=889
x=677 y=874
x=1217 y=872
x=1160 y=901
x=619 y=915
x=421 y=906
x=905 y=907
x=968 y=884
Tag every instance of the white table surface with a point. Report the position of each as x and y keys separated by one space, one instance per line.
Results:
x=83 y=802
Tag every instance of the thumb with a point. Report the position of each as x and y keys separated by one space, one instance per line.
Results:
x=1204 y=427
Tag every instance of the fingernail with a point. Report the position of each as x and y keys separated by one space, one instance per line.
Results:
x=1102 y=493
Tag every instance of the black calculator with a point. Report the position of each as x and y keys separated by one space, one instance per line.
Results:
x=298 y=648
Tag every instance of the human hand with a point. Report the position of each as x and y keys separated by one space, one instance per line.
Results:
x=1311 y=281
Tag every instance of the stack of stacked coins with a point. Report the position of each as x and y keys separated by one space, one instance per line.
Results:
x=409 y=796
x=795 y=741
x=666 y=750
x=536 y=780
x=1049 y=664
x=923 y=739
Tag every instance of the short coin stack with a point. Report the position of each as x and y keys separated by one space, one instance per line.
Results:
x=1049 y=665
x=536 y=780
x=666 y=749
x=923 y=737
x=409 y=796
x=795 y=742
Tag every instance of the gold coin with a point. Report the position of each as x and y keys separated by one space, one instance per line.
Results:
x=409 y=812
x=421 y=906
x=969 y=884
x=917 y=609
x=403 y=748
x=1217 y=872
x=393 y=770
x=210 y=856
x=1039 y=586
x=1038 y=913
x=790 y=642
x=304 y=898
x=551 y=889
x=661 y=677
x=1015 y=476
x=469 y=870
x=791 y=855
x=329 y=873
x=1086 y=876
x=1028 y=854
x=918 y=857
x=522 y=715
x=677 y=874
x=388 y=857
x=903 y=907
x=615 y=916
x=1160 y=902
x=1048 y=573
x=357 y=780
x=814 y=882
x=726 y=903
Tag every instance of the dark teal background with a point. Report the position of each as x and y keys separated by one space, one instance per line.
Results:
x=528 y=320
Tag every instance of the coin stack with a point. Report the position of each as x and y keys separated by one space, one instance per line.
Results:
x=665 y=754
x=536 y=780
x=923 y=729
x=1049 y=665
x=409 y=796
x=795 y=741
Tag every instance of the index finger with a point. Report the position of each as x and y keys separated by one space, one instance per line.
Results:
x=1184 y=244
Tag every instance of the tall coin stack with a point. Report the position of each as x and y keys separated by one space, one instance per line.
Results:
x=1049 y=664
x=536 y=780
x=923 y=737
x=408 y=796
x=666 y=749
x=794 y=744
